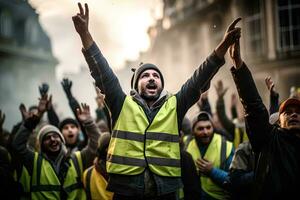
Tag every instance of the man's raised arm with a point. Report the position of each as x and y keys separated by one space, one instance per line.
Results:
x=81 y=24
x=100 y=70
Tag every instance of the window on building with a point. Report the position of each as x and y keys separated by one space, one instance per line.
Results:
x=31 y=31
x=6 y=24
x=289 y=25
x=253 y=22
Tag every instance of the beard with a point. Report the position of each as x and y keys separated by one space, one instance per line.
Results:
x=148 y=97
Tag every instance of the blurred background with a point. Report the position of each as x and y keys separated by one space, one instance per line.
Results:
x=38 y=43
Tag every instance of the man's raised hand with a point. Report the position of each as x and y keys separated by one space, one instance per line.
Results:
x=81 y=19
x=220 y=90
x=67 y=84
x=83 y=113
x=43 y=89
x=81 y=24
x=231 y=35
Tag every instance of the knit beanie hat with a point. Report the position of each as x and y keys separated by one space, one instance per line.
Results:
x=68 y=121
x=202 y=116
x=49 y=129
x=140 y=70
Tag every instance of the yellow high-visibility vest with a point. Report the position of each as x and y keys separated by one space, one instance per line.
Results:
x=137 y=143
x=213 y=154
x=240 y=136
x=46 y=184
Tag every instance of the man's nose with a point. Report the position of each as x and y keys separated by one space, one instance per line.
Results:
x=151 y=80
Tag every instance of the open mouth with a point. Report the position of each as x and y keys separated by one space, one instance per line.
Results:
x=151 y=86
x=54 y=145
x=71 y=136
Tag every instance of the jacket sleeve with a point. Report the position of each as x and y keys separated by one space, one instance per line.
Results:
x=274 y=102
x=52 y=117
x=89 y=152
x=105 y=79
x=190 y=92
x=220 y=176
x=256 y=114
x=19 y=144
x=227 y=124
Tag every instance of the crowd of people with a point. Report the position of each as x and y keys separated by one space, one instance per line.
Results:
x=143 y=146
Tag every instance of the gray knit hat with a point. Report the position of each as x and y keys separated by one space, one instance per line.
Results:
x=140 y=70
x=49 y=129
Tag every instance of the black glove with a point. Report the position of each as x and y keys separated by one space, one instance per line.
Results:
x=44 y=89
x=67 y=84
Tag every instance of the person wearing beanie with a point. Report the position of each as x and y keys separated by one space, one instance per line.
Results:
x=276 y=146
x=54 y=173
x=95 y=177
x=212 y=155
x=143 y=158
x=70 y=129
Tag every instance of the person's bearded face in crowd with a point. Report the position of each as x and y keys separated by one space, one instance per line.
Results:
x=150 y=85
x=203 y=131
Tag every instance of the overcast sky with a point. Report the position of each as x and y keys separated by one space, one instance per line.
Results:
x=118 y=26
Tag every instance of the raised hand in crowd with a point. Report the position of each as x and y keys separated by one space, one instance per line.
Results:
x=270 y=84
x=30 y=119
x=274 y=96
x=43 y=104
x=203 y=103
x=67 y=85
x=221 y=91
x=81 y=23
x=235 y=53
x=44 y=88
x=231 y=35
x=83 y=113
x=203 y=97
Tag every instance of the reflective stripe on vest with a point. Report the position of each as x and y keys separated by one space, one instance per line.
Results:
x=46 y=184
x=213 y=154
x=240 y=136
x=136 y=143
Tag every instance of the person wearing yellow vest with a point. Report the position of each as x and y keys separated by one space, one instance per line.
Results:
x=212 y=155
x=143 y=159
x=95 y=177
x=54 y=175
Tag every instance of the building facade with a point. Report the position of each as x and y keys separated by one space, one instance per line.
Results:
x=190 y=30
x=26 y=58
